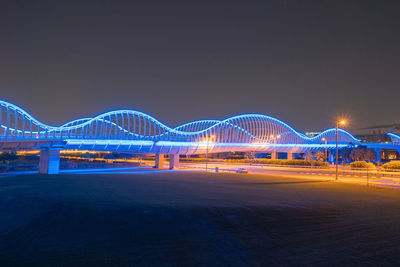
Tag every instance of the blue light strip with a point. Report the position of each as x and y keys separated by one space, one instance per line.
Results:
x=194 y=144
x=109 y=142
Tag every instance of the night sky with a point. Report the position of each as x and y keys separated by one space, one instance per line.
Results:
x=304 y=62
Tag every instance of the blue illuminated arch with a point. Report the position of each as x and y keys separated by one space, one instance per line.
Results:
x=395 y=137
x=134 y=128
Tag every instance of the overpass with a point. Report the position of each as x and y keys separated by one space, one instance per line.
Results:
x=134 y=131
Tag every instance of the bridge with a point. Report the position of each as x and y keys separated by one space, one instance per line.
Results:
x=137 y=132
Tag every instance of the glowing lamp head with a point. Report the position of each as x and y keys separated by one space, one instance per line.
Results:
x=342 y=122
x=272 y=136
x=323 y=139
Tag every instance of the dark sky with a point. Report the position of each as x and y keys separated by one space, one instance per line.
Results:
x=304 y=62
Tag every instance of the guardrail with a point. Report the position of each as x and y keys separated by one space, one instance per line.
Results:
x=341 y=168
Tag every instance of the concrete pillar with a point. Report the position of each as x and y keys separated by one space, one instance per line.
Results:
x=378 y=154
x=173 y=161
x=49 y=162
x=159 y=161
x=331 y=157
x=290 y=155
x=274 y=155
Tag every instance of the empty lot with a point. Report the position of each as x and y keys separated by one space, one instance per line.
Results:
x=195 y=218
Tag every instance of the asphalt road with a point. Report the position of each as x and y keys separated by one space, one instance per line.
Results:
x=358 y=176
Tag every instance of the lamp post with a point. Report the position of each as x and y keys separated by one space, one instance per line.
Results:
x=212 y=136
x=275 y=137
x=326 y=148
x=342 y=122
x=272 y=137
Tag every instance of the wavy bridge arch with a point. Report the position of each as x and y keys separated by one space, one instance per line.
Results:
x=143 y=133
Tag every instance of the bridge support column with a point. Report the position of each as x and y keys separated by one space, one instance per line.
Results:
x=290 y=155
x=378 y=154
x=159 y=161
x=49 y=162
x=173 y=161
x=331 y=158
x=274 y=155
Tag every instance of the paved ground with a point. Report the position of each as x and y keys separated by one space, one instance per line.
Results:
x=356 y=176
x=196 y=219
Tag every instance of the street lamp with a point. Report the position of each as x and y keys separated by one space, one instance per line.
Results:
x=275 y=137
x=341 y=122
x=212 y=136
x=326 y=148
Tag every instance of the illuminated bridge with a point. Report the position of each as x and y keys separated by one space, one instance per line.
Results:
x=133 y=131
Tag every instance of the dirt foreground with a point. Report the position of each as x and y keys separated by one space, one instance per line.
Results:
x=195 y=219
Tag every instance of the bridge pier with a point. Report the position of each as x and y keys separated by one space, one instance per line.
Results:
x=49 y=162
x=274 y=155
x=290 y=155
x=378 y=154
x=331 y=157
x=173 y=161
x=159 y=161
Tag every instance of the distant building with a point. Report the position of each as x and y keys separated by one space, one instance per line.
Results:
x=377 y=133
x=312 y=134
x=374 y=138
